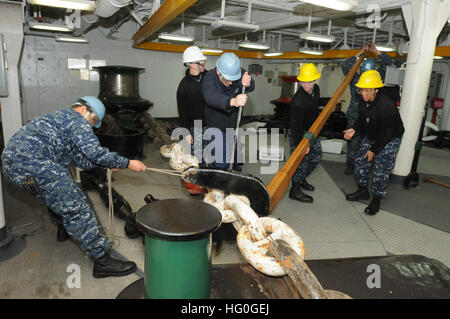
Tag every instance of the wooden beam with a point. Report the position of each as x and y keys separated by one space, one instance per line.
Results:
x=166 y=13
x=329 y=54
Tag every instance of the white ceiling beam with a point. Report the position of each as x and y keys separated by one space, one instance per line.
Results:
x=266 y=5
x=293 y=20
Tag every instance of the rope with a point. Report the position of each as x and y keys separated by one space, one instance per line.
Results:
x=165 y=171
x=110 y=230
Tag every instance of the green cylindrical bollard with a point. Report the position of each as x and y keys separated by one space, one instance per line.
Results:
x=178 y=247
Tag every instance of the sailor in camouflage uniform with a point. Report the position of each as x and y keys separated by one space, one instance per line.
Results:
x=380 y=126
x=353 y=108
x=303 y=111
x=37 y=157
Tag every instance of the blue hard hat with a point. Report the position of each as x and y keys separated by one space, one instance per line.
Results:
x=229 y=66
x=368 y=64
x=97 y=106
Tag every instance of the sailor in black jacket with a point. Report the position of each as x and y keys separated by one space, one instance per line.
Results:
x=190 y=102
x=353 y=108
x=303 y=111
x=380 y=126
x=222 y=91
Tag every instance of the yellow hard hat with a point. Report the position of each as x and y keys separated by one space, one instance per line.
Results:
x=308 y=73
x=370 y=79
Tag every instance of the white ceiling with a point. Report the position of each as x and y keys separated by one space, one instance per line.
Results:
x=287 y=18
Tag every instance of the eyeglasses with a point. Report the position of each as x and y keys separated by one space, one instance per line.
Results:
x=365 y=91
x=201 y=63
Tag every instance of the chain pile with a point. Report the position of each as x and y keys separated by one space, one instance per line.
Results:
x=254 y=233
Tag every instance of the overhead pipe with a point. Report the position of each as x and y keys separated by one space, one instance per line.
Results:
x=86 y=21
x=168 y=11
x=106 y=8
x=222 y=23
x=263 y=5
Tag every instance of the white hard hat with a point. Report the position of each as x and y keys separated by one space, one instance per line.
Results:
x=193 y=54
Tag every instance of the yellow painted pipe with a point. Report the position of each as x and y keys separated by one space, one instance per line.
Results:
x=166 y=13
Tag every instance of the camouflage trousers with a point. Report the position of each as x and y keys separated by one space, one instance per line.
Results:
x=353 y=146
x=354 y=143
x=382 y=164
x=310 y=161
x=62 y=196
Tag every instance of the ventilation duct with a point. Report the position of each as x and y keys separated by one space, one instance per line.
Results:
x=85 y=23
x=106 y=8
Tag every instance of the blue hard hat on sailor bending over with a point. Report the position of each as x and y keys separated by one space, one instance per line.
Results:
x=229 y=66
x=96 y=106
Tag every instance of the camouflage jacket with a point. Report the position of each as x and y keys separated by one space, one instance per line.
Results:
x=63 y=137
x=352 y=111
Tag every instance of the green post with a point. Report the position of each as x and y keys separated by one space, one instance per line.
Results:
x=178 y=248
x=177 y=270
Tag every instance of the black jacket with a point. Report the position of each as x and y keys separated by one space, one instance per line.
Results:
x=218 y=112
x=379 y=121
x=303 y=111
x=190 y=102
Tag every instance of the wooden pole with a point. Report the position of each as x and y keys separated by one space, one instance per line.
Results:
x=280 y=182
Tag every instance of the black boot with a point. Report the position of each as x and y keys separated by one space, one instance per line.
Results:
x=107 y=266
x=297 y=194
x=374 y=206
x=348 y=169
x=306 y=186
x=131 y=228
x=361 y=193
x=62 y=234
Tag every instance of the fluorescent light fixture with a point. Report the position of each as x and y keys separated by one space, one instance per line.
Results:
x=437 y=57
x=211 y=50
x=69 y=4
x=317 y=37
x=176 y=37
x=51 y=27
x=71 y=39
x=385 y=47
x=274 y=53
x=341 y=5
x=307 y=50
x=253 y=45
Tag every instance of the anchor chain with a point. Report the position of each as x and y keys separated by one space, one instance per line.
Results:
x=254 y=233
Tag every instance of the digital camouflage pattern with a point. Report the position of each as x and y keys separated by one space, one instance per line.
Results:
x=310 y=161
x=43 y=149
x=382 y=163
